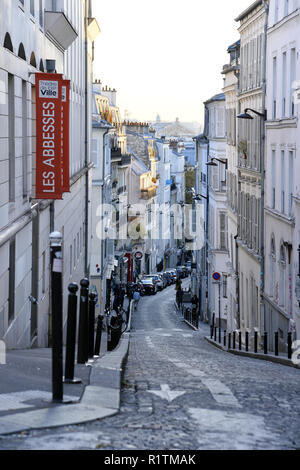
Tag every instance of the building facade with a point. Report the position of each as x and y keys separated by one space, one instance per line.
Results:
x=32 y=41
x=282 y=167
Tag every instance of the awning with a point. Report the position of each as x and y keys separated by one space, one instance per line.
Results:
x=59 y=29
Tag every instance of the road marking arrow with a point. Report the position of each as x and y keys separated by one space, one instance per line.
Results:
x=166 y=393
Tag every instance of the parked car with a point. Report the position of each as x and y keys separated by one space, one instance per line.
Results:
x=163 y=279
x=189 y=266
x=149 y=285
x=169 y=278
x=173 y=274
x=156 y=278
x=180 y=272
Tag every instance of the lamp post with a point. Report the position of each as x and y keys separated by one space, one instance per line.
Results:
x=263 y=118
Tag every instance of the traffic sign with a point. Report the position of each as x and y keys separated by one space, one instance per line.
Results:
x=138 y=255
x=216 y=276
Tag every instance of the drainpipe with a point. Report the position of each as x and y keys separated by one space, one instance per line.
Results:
x=262 y=159
x=86 y=267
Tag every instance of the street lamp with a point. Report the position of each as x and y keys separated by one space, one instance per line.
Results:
x=246 y=115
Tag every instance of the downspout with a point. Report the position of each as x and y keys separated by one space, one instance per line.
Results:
x=262 y=159
x=86 y=267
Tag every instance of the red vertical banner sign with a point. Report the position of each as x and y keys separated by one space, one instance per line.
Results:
x=65 y=136
x=48 y=89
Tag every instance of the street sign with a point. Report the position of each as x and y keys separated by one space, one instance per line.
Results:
x=216 y=276
x=138 y=255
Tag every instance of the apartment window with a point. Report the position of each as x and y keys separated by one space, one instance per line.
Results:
x=24 y=138
x=273 y=266
x=32 y=7
x=224 y=278
x=223 y=232
x=11 y=282
x=282 y=277
x=274 y=87
x=291 y=181
x=94 y=152
x=11 y=136
x=284 y=73
x=293 y=78
x=41 y=12
x=273 y=186
x=286 y=7
x=282 y=182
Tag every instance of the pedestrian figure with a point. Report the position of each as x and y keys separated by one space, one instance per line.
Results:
x=136 y=298
x=178 y=285
x=179 y=297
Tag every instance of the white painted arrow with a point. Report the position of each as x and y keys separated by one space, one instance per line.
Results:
x=166 y=393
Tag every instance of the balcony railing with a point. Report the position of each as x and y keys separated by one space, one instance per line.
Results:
x=148 y=193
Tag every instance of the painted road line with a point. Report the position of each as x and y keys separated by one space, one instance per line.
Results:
x=166 y=394
x=221 y=393
x=228 y=430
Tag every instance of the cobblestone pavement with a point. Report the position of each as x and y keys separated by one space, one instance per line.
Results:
x=181 y=393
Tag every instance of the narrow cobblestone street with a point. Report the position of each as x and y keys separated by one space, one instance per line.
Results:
x=181 y=393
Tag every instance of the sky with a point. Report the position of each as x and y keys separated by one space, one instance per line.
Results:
x=164 y=56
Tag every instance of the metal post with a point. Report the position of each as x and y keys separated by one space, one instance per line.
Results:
x=229 y=341
x=247 y=341
x=240 y=340
x=290 y=351
x=276 y=343
x=255 y=341
x=71 y=335
x=211 y=331
x=233 y=340
x=82 y=353
x=57 y=315
x=92 y=305
x=220 y=312
x=225 y=338
x=215 y=338
x=266 y=343
x=98 y=335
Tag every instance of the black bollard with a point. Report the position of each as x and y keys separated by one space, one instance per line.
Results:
x=255 y=341
x=225 y=338
x=82 y=353
x=229 y=340
x=233 y=340
x=247 y=341
x=290 y=350
x=98 y=335
x=266 y=343
x=92 y=305
x=276 y=343
x=211 y=332
x=57 y=316
x=71 y=335
x=215 y=337
x=220 y=334
x=240 y=340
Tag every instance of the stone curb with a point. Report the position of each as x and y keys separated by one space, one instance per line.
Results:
x=263 y=357
x=98 y=401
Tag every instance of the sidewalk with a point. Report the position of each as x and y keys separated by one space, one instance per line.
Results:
x=26 y=390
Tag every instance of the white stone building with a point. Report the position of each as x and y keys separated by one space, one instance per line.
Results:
x=32 y=33
x=230 y=73
x=282 y=210
x=217 y=255
x=252 y=23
